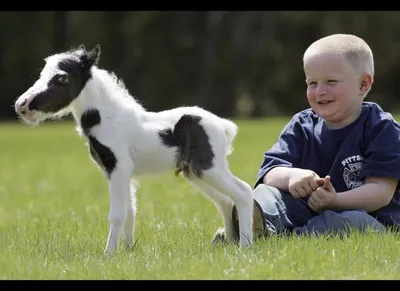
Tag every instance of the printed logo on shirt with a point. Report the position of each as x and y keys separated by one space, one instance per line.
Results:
x=351 y=173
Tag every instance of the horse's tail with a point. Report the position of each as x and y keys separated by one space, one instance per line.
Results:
x=231 y=130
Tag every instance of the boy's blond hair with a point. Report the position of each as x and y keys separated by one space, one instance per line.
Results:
x=355 y=50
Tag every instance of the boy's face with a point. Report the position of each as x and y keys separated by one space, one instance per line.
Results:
x=334 y=89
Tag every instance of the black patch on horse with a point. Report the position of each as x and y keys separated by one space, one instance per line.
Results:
x=194 y=154
x=89 y=119
x=58 y=95
x=102 y=154
x=167 y=138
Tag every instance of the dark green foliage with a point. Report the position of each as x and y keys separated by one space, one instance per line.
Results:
x=233 y=63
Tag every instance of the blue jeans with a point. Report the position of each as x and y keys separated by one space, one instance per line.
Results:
x=286 y=214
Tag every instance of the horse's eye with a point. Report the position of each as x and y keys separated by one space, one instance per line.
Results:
x=63 y=79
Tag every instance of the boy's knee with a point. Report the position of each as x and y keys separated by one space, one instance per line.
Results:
x=267 y=191
x=268 y=197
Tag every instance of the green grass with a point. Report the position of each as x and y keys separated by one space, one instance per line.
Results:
x=54 y=208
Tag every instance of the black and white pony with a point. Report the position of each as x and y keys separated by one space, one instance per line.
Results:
x=127 y=141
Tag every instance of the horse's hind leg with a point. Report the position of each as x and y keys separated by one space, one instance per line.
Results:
x=221 y=178
x=203 y=154
x=222 y=202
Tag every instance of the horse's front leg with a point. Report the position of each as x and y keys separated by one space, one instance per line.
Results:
x=119 y=181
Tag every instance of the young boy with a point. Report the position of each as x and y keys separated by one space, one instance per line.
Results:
x=336 y=165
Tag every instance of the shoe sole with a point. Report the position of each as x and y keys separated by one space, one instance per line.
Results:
x=259 y=224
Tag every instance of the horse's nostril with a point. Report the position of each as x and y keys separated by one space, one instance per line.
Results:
x=23 y=112
x=24 y=102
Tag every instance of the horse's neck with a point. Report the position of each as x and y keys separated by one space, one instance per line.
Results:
x=89 y=98
x=98 y=94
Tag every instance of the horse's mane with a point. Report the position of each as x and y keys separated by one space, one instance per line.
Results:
x=114 y=85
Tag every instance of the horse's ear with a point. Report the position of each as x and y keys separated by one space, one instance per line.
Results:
x=92 y=57
x=82 y=48
x=97 y=50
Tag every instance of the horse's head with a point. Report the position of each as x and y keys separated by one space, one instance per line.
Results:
x=61 y=81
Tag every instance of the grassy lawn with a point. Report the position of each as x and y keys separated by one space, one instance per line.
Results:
x=54 y=208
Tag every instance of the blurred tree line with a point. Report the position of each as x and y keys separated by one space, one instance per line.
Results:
x=233 y=63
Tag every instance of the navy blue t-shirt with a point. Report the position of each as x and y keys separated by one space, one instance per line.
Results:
x=368 y=147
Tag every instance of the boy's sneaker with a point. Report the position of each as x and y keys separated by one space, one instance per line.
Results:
x=259 y=225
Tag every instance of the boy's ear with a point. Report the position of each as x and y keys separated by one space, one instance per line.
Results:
x=91 y=58
x=365 y=83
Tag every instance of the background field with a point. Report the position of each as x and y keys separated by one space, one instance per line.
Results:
x=54 y=207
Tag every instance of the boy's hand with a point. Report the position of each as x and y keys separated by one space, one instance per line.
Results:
x=303 y=182
x=324 y=197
